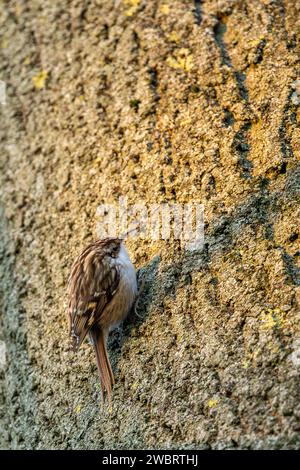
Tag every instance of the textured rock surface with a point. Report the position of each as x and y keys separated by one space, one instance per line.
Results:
x=159 y=101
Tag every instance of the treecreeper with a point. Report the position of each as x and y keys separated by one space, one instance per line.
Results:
x=102 y=289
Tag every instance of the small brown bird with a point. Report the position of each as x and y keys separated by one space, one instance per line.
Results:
x=102 y=289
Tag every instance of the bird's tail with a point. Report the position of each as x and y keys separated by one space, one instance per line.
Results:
x=99 y=337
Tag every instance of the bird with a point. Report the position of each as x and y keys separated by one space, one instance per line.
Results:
x=102 y=289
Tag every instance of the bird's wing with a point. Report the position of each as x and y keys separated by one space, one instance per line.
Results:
x=92 y=284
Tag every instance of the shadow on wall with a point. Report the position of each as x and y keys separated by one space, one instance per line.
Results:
x=147 y=278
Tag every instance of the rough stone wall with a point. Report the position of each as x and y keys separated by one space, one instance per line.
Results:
x=160 y=101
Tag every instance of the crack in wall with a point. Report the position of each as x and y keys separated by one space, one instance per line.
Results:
x=197 y=11
x=240 y=144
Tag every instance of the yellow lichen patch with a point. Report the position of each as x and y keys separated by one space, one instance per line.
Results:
x=26 y=61
x=133 y=6
x=245 y=363
x=77 y=409
x=164 y=9
x=173 y=37
x=250 y=359
x=212 y=403
x=134 y=386
x=256 y=42
x=275 y=349
x=186 y=122
x=39 y=80
x=182 y=60
x=273 y=318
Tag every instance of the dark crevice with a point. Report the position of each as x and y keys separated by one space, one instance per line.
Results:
x=269 y=232
x=136 y=42
x=153 y=83
x=153 y=79
x=241 y=147
x=240 y=80
x=291 y=269
x=228 y=118
x=105 y=32
x=211 y=187
x=259 y=52
x=219 y=31
x=197 y=10
x=293 y=237
x=285 y=144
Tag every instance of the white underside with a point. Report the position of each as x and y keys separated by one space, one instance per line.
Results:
x=126 y=292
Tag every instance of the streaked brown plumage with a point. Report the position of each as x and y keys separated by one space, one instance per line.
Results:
x=102 y=289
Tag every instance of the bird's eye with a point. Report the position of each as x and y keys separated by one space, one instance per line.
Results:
x=114 y=251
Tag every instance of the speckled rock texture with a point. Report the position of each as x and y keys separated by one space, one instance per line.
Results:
x=160 y=101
